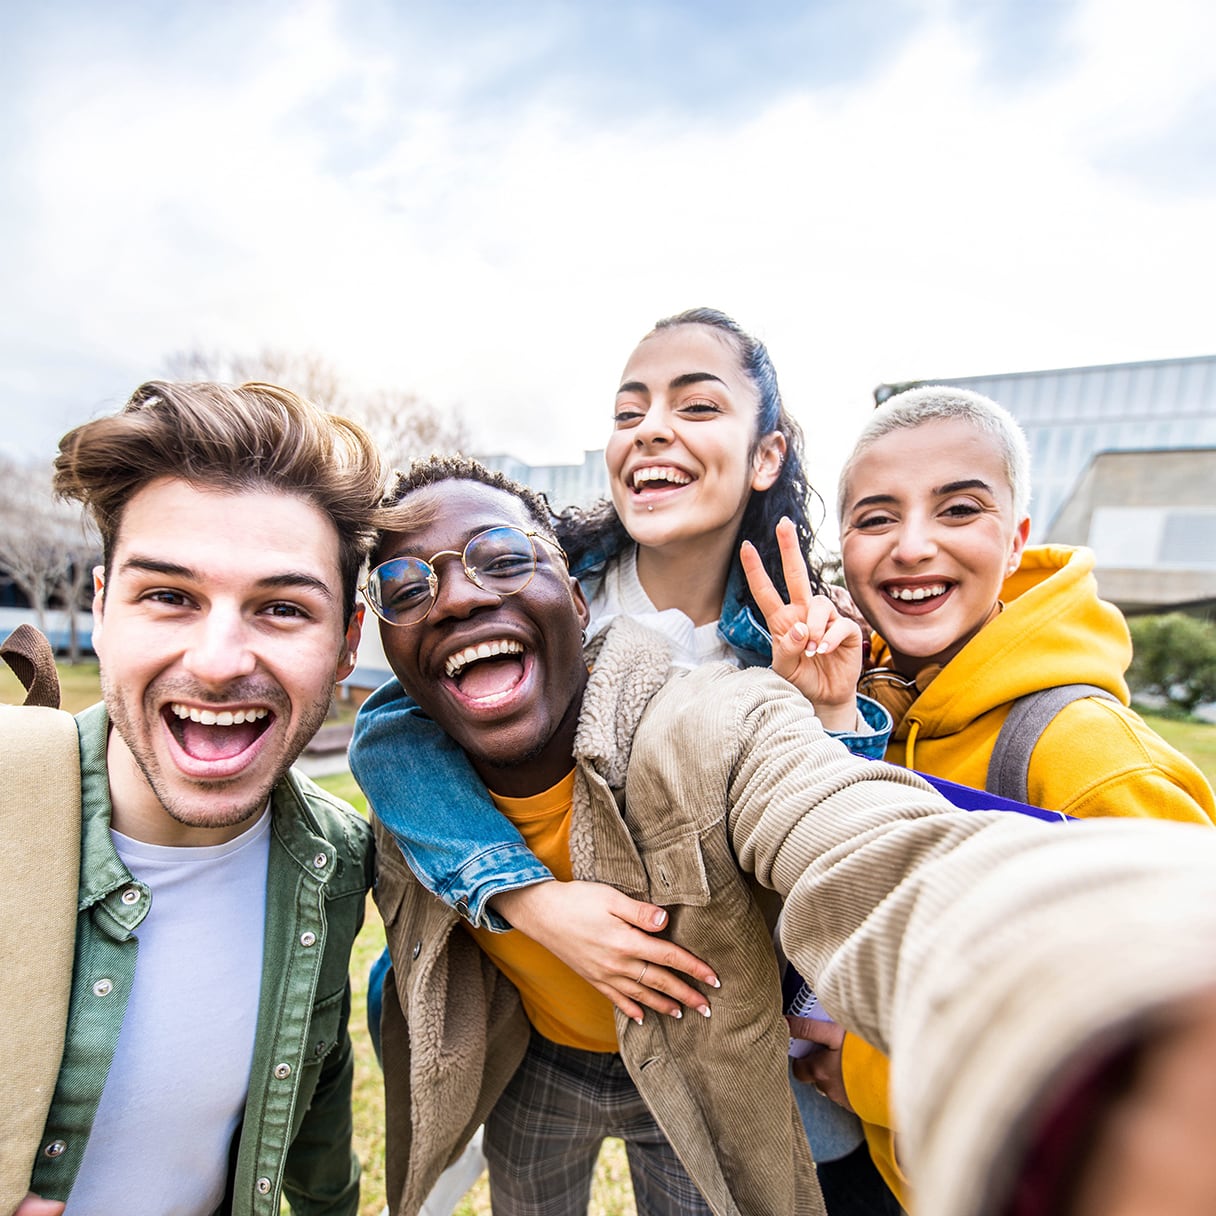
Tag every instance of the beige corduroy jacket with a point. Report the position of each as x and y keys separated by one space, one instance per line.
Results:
x=984 y=952
x=667 y=769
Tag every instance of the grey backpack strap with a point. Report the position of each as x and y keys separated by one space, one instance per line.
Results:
x=1028 y=718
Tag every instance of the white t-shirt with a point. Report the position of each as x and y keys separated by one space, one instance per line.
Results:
x=622 y=594
x=177 y=1085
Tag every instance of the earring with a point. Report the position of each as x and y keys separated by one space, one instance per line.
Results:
x=584 y=637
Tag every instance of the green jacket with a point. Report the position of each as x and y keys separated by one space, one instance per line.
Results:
x=296 y=1134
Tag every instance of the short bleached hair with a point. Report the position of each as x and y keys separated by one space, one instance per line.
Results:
x=941 y=403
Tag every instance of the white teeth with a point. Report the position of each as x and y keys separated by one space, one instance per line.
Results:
x=457 y=662
x=208 y=717
x=915 y=594
x=659 y=472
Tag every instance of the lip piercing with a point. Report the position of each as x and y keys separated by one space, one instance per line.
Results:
x=650 y=506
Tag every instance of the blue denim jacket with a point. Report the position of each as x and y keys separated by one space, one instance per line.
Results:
x=423 y=789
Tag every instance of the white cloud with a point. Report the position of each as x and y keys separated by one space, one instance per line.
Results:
x=927 y=221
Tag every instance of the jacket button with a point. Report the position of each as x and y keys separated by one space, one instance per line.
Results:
x=417 y=949
x=130 y=896
x=56 y=1148
x=282 y=1071
x=308 y=939
x=103 y=987
x=262 y=1186
x=320 y=861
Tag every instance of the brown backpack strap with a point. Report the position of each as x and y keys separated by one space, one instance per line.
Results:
x=30 y=656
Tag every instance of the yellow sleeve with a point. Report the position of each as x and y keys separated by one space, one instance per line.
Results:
x=1100 y=759
x=866 y=1074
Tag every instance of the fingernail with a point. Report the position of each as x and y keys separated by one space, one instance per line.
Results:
x=638 y=1020
x=703 y=1010
x=677 y=1014
x=714 y=981
x=821 y=648
x=659 y=917
x=799 y=631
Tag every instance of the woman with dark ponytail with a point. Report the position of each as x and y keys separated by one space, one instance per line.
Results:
x=702 y=457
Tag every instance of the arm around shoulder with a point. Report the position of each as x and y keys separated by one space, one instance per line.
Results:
x=421 y=787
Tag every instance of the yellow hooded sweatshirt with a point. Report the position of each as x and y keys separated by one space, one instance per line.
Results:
x=1095 y=758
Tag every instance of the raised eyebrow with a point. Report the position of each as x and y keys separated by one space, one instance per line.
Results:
x=636 y=386
x=970 y=483
x=872 y=500
x=152 y=565
x=695 y=378
x=287 y=580
x=295 y=580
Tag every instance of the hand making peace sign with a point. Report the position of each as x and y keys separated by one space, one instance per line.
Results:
x=814 y=647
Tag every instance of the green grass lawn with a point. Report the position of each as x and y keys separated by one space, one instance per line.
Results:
x=1197 y=740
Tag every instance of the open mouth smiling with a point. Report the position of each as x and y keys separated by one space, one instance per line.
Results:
x=489 y=672
x=658 y=476
x=209 y=736
x=920 y=596
x=916 y=594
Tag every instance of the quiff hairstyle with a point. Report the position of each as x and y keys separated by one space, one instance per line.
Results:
x=936 y=403
x=256 y=437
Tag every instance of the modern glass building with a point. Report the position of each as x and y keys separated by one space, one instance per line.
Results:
x=564 y=485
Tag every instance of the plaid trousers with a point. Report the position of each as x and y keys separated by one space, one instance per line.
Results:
x=544 y=1134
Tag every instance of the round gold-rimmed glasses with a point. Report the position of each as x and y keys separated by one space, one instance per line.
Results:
x=502 y=560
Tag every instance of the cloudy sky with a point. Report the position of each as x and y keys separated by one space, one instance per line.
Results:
x=489 y=202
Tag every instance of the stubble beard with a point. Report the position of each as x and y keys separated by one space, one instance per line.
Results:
x=184 y=811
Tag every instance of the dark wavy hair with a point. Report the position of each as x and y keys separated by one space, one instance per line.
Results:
x=396 y=515
x=597 y=531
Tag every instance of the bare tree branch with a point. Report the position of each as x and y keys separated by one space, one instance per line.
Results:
x=47 y=550
x=403 y=425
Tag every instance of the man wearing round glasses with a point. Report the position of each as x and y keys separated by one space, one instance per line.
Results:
x=402 y=590
x=656 y=786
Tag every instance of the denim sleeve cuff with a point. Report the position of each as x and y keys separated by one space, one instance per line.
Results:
x=493 y=872
x=872 y=742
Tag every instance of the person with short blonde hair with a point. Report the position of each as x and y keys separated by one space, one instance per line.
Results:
x=968 y=619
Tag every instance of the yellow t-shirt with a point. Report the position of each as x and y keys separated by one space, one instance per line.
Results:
x=560 y=1004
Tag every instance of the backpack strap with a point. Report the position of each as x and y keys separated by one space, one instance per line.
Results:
x=1028 y=718
x=40 y=826
x=30 y=656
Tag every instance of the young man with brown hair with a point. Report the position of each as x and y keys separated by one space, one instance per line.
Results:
x=206 y=1062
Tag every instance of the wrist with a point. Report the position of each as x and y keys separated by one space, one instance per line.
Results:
x=837 y=718
x=523 y=908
